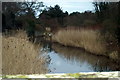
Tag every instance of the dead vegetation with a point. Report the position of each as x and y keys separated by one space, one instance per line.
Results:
x=19 y=56
x=88 y=39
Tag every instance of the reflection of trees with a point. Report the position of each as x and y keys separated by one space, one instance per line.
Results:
x=98 y=63
x=46 y=48
x=47 y=45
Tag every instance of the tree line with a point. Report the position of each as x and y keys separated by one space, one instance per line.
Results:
x=22 y=15
x=108 y=15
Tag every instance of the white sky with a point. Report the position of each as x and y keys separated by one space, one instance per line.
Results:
x=71 y=5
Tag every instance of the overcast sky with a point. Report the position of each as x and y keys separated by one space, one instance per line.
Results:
x=71 y=5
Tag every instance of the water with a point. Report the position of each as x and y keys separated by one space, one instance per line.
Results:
x=63 y=59
x=60 y=64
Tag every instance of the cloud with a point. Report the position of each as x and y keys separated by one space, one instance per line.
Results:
x=71 y=5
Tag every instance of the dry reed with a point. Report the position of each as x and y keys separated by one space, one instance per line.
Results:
x=90 y=40
x=21 y=56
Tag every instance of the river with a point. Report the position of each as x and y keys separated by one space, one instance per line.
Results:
x=63 y=59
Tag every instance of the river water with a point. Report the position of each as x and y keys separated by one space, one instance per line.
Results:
x=63 y=59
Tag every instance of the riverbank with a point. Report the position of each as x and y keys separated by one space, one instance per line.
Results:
x=90 y=40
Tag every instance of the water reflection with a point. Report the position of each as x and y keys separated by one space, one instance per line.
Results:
x=47 y=48
x=61 y=59
x=95 y=63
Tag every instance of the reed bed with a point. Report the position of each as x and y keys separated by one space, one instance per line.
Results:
x=90 y=40
x=19 y=56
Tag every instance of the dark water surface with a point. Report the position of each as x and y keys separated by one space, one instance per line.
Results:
x=63 y=59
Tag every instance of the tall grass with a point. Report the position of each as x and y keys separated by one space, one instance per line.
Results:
x=90 y=40
x=19 y=56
